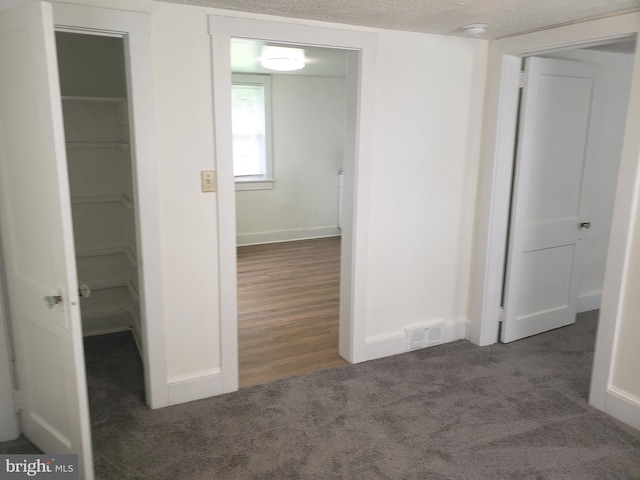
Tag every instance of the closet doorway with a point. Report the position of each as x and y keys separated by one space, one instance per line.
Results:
x=97 y=129
x=37 y=230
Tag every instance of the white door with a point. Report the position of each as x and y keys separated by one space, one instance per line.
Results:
x=556 y=119
x=37 y=238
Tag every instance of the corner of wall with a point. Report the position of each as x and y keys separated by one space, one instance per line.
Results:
x=196 y=386
x=623 y=406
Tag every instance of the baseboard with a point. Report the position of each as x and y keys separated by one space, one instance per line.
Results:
x=186 y=388
x=623 y=406
x=588 y=301
x=137 y=337
x=393 y=343
x=105 y=322
x=244 y=239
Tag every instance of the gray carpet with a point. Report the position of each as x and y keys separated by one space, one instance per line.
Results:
x=454 y=411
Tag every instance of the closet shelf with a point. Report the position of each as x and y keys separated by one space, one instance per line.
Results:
x=123 y=199
x=98 y=285
x=74 y=98
x=88 y=313
x=109 y=251
x=97 y=145
x=105 y=284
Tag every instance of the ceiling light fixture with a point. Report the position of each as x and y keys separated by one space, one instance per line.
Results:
x=474 y=29
x=282 y=59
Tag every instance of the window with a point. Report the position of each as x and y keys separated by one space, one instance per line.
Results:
x=251 y=129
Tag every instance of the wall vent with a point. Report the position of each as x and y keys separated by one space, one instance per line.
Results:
x=425 y=335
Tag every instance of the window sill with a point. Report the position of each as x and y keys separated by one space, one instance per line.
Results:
x=254 y=184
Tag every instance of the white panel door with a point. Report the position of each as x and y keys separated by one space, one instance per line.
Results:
x=560 y=101
x=37 y=238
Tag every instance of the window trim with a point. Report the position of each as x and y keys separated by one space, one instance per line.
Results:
x=258 y=182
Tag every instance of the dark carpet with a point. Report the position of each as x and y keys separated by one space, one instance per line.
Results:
x=454 y=411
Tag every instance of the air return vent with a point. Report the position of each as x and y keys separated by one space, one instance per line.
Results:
x=425 y=335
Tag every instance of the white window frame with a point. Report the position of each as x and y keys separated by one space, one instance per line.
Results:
x=259 y=182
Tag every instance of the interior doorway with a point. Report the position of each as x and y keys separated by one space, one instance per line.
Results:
x=359 y=48
x=287 y=210
x=565 y=176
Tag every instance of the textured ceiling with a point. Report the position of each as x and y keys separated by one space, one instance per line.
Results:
x=505 y=17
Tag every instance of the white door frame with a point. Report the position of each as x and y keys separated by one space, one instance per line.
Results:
x=358 y=151
x=495 y=183
x=135 y=29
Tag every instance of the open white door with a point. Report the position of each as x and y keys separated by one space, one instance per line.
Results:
x=37 y=237
x=556 y=119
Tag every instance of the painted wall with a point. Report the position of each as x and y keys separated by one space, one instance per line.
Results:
x=308 y=137
x=601 y=170
x=181 y=56
x=424 y=168
x=627 y=354
x=428 y=113
x=426 y=147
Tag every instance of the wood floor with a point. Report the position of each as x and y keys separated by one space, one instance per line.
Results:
x=288 y=300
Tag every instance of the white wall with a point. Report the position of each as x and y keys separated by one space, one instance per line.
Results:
x=601 y=170
x=429 y=106
x=422 y=197
x=615 y=385
x=181 y=56
x=627 y=355
x=308 y=137
x=426 y=146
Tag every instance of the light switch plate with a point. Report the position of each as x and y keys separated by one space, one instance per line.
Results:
x=208 y=180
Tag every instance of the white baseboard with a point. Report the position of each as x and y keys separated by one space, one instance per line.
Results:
x=588 y=301
x=623 y=406
x=243 y=239
x=393 y=343
x=106 y=322
x=186 y=388
x=137 y=337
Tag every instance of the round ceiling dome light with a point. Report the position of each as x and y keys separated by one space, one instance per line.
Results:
x=475 y=29
x=282 y=59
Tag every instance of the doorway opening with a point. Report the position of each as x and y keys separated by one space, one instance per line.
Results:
x=93 y=84
x=359 y=48
x=564 y=185
x=288 y=222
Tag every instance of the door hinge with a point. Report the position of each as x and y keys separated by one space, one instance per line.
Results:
x=501 y=314
x=523 y=78
x=17 y=400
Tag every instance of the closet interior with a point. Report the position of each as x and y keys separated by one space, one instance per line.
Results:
x=96 y=123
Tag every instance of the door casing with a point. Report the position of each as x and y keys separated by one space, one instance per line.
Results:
x=135 y=29
x=361 y=48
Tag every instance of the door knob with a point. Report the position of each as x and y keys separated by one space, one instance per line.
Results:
x=585 y=225
x=84 y=290
x=52 y=300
